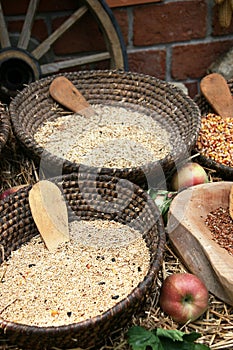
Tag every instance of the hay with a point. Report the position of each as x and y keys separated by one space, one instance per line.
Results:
x=216 y=325
x=15 y=167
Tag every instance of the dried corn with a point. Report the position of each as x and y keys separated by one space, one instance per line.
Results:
x=225 y=13
x=215 y=139
x=218 y=2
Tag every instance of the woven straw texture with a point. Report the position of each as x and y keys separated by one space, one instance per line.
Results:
x=84 y=193
x=176 y=113
x=5 y=127
x=223 y=171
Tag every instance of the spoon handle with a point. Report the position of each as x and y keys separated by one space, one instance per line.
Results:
x=63 y=91
x=216 y=91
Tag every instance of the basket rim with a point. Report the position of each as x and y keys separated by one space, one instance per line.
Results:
x=28 y=141
x=5 y=126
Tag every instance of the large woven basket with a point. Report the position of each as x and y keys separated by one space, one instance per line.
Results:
x=124 y=202
x=5 y=127
x=223 y=171
x=175 y=111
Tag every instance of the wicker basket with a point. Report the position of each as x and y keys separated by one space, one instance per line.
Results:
x=82 y=191
x=175 y=111
x=5 y=127
x=223 y=171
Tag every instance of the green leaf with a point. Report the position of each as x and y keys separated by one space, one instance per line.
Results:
x=191 y=337
x=163 y=339
x=170 y=344
x=140 y=339
x=162 y=199
x=170 y=333
x=198 y=346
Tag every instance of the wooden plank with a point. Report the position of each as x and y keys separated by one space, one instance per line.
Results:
x=120 y=3
x=4 y=36
x=27 y=26
x=55 y=67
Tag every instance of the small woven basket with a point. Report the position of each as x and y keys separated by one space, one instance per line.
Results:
x=175 y=111
x=5 y=127
x=124 y=202
x=223 y=171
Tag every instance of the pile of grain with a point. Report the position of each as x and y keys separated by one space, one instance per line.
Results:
x=82 y=279
x=215 y=140
x=220 y=225
x=114 y=137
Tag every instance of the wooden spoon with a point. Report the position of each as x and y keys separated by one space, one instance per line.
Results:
x=49 y=212
x=64 y=92
x=215 y=89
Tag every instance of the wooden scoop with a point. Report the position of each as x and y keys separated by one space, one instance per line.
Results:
x=64 y=92
x=215 y=89
x=49 y=212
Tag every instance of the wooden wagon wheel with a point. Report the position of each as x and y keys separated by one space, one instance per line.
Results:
x=21 y=62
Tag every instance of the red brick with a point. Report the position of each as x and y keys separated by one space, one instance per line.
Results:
x=216 y=28
x=192 y=88
x=10 y=8
x=122 y=22
x=55 y=5
x=192 y=61
x=116 y=3
x=152 y=62
x=39 y=29
x=83 y=36
x=165 y=23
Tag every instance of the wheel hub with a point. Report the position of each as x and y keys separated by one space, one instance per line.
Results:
x=17 y=69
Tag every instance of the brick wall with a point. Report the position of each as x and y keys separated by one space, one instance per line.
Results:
x=172 y=40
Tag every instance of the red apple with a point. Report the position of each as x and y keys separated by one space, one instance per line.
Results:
x=10 y=190
x=184 y=297
x=190 y=174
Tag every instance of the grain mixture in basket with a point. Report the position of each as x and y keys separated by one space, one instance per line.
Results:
x=82 y=279
x=114 y=137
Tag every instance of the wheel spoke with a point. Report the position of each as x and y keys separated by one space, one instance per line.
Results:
x=46 y=44
x=54 y=67
x=27 y=26
x=4 y=36
x=26 y=60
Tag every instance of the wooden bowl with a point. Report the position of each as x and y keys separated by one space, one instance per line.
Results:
x=193 y=241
